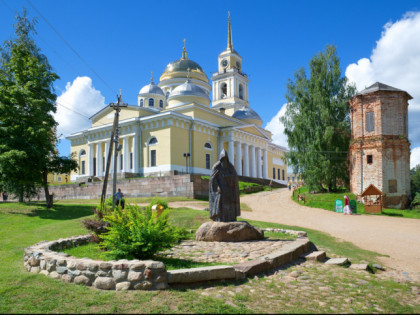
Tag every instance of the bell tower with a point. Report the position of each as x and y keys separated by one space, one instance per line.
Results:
x=230 y=84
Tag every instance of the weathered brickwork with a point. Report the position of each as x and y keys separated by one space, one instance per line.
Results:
x=379 y=149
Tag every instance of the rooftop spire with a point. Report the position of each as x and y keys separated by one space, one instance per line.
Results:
x=184 y=52
x=151 y=77
x=229 y=40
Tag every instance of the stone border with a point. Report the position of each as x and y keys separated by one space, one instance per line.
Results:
x=112 y=275
x=148 y=274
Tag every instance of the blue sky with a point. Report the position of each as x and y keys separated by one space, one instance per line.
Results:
x=123 y=41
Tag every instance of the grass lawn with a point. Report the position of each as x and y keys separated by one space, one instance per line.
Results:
x=326 y=201
x=25 y=224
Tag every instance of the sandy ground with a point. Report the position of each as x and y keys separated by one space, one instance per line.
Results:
x=399 y=238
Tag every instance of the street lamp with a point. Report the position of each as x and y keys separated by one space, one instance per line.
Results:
x=186 y=155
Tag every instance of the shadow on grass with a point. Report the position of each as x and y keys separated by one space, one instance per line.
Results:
x=58 y=212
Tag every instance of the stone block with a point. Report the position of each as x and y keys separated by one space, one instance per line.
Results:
x=253 y=267
x=119 y=275
x=278 y=258
x=82 y=280
x=237 y=231
x=54 y=275
x=135 y=276
x=123 y=286
x=337 y=261
x=201 y=274
x=359 y=266
x=104 y=283
x=316 y=256
x=144 y=285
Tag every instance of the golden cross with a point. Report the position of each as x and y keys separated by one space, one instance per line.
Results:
x=120 y=92
x=184 y=42
x=151 y=78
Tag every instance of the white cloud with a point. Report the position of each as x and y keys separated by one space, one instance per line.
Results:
x=277 y=128
x=80 y=97
x=395 y=61
x=415 y=157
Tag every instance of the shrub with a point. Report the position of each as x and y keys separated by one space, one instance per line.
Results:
x=158 y=201
x=97 y=225
x=138 y=233
x=415 y=204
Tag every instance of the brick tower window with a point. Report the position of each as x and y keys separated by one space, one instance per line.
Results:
x=392 y=186
x=370 y=123
x=369 y=159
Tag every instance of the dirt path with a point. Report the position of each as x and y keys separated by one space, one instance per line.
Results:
x=397 y=237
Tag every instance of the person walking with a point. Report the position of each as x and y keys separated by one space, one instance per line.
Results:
x=346 y=209
x=271 y=185
x=119 y=196
x=5 y=195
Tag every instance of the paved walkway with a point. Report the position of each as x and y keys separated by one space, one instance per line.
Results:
x=399 y=238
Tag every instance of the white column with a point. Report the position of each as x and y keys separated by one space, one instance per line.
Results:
x=231 y=153
x=258 y=157
x=91 y=156
x=106 y=155
x=265 y=169
x=136 y=153
x=99 y=159
x=253 y=168
x=125 y=155
x=238 y=158
x=246 y=160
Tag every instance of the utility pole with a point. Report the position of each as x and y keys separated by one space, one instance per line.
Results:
x=114 y=139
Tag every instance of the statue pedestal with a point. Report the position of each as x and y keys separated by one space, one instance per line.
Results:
x=237 y=231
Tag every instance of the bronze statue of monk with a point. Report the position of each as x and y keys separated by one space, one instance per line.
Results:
x=224 y=191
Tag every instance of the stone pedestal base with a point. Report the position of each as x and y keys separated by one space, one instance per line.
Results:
x=228 y=232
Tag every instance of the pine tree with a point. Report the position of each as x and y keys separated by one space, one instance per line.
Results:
x=317 y=122
x=27 y=127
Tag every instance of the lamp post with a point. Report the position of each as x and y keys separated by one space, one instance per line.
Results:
x=186 y=155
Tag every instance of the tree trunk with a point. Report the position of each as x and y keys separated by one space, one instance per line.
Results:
x=21 y=194
x=48 y=197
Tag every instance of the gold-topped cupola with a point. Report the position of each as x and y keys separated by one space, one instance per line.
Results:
x=230 y=84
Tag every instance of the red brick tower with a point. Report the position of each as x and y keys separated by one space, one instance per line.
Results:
x=379 y=147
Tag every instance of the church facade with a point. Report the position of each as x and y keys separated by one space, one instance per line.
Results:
x=175 y=128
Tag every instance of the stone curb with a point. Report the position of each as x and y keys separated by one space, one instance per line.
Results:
x=289 y=253
x=292 y=232
x=142 y=275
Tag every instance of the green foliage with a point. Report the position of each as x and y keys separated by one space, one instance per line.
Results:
x=416 y=201
x=138 y=233
x=415 y=180
x=27 y=105
x=317 y=122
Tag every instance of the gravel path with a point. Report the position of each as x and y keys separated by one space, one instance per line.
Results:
x=399 y=238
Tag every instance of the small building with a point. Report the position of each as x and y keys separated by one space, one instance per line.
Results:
x=379 y=147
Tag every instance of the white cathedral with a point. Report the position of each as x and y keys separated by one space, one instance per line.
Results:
x=176 y=128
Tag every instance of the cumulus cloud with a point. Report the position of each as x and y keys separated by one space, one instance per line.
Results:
x=79 y=101
x=415 y=157
x=277 y=128
x=395 y=61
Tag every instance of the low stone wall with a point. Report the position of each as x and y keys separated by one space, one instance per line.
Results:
x=186 y=185
x=112 y=275
x=145 y=275
x=167 y=186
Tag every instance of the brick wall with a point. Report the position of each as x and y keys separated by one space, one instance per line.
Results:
x=383 y=154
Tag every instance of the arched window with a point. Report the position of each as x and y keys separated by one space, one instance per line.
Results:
x=151 y=102
x=241 y=92
x=141 y=103
x=161 y=104
x=153 y=141
x=82 y=152
x=223 y=90
x=207 y=145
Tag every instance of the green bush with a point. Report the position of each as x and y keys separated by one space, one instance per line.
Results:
x=138 y=233
x=415 y=204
